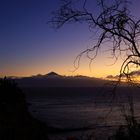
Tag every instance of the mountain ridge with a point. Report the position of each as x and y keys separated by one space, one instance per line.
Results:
x=53 y=74
x=53 y=79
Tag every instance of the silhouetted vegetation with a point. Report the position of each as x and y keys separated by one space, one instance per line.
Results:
x=130 y=131
x=16 y=123
x=115 y=26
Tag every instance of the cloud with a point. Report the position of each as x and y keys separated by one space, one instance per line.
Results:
x=133 y=73
x=110 y=77
x=113 y=77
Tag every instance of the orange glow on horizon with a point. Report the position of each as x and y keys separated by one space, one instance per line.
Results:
x=97 y=70
x=100 y=67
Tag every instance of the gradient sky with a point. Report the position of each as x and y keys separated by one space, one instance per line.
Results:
x=28 y=45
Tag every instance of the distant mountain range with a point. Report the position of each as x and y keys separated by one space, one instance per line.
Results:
x=53 y=79
x=49 y=75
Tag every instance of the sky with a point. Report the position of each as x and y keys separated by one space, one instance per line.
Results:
x=29 y=46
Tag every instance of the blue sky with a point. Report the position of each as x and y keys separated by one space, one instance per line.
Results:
x=29 y=46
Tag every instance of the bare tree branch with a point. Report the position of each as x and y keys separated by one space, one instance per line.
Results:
x=115 y=25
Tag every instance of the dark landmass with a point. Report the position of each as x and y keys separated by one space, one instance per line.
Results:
x=53 y=79
x=16 y=122
x=19 y=123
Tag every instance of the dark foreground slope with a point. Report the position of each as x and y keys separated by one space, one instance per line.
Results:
x=16 y=123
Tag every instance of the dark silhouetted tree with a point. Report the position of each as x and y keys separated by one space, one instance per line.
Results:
x=114 y=24
x=16 y=123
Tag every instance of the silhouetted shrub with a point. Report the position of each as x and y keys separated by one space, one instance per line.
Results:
x=16 y=123
x=125 y=133
x=131 y=130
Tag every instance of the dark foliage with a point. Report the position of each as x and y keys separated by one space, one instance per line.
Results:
x=16 y=123
x=130 y=131
x=127 y=133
